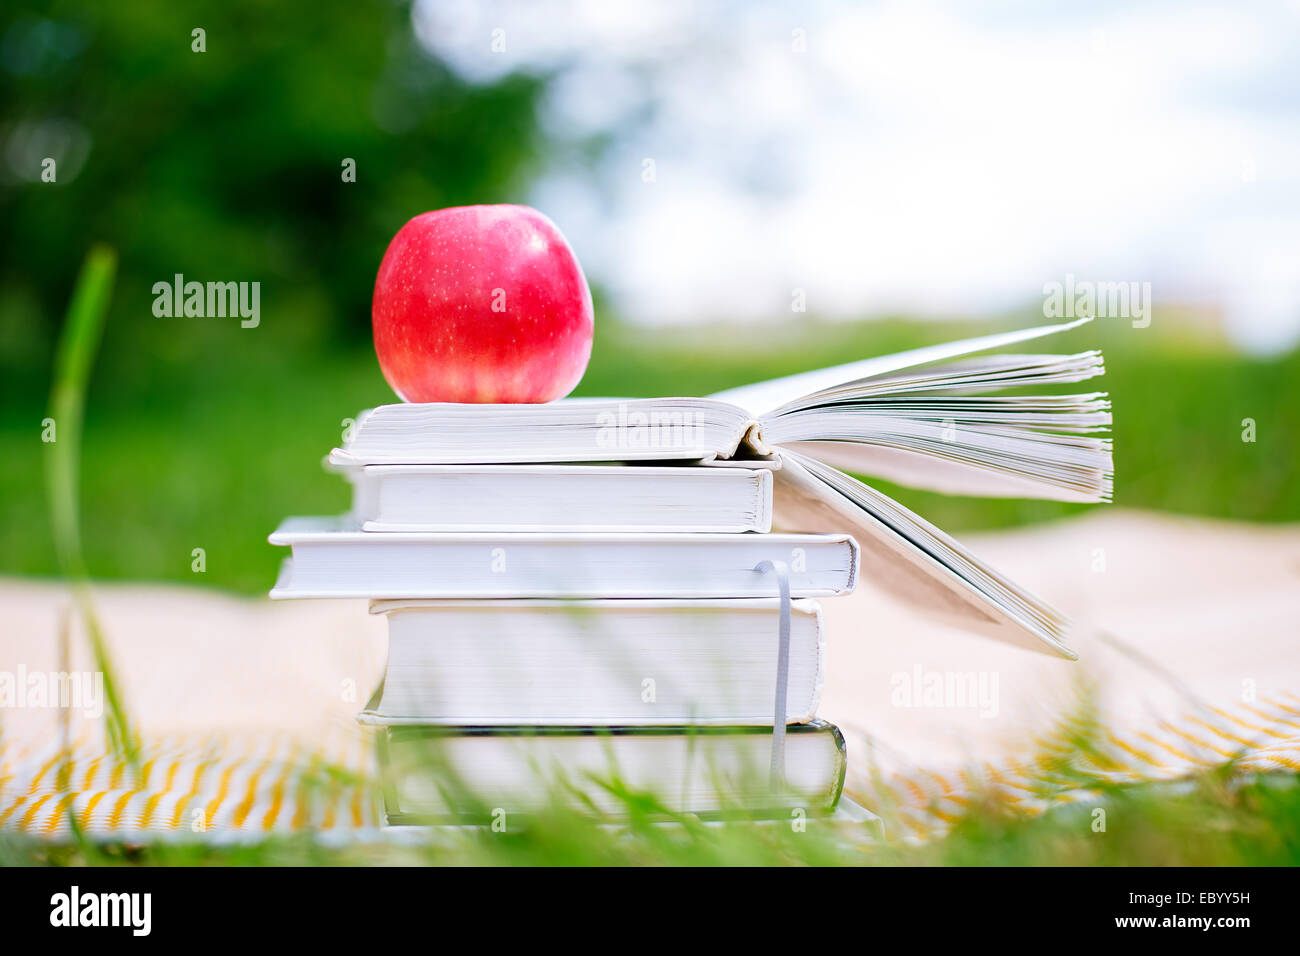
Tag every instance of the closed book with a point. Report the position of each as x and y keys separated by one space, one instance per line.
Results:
x=561 y=498
x=616 y=662
x=495 y=776
x=334 y=558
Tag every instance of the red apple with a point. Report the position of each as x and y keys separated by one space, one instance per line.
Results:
x=481 y=304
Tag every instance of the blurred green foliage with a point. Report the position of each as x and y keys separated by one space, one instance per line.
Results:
x=1204 y=822
x=227 y=165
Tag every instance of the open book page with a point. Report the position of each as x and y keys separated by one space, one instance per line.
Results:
x=931 y=472
x=914 y=561
x=966 y=376
x=939 y=428
x=764 y=397
x=964 y=451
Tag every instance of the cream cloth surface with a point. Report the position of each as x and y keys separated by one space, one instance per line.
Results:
x=1189 y=645
x=1189 y=659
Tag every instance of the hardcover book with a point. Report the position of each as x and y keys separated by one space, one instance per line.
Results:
x=476 y=776
x=596 y=663
x=335 y=558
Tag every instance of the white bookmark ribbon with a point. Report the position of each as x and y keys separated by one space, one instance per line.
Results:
x=782 y=571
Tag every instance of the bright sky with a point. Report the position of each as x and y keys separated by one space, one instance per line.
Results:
x=917 y=157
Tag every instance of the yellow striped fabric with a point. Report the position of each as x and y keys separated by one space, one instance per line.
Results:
x=201 y=786
x=1250 y=738
x=209 y=787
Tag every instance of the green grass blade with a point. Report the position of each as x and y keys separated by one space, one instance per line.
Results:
x=79 y=341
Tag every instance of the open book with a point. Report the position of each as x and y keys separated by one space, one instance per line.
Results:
x=923 y=418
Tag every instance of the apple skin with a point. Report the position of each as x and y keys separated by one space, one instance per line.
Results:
x=482 y=304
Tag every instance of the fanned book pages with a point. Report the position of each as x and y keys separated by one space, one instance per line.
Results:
x=924 y=417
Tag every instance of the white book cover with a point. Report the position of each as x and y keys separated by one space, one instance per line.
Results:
x=332 y=557
x=609 y=497
x=440 y=774
x=596 y=663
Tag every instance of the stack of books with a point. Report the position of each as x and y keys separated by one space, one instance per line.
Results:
x=586 y=600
